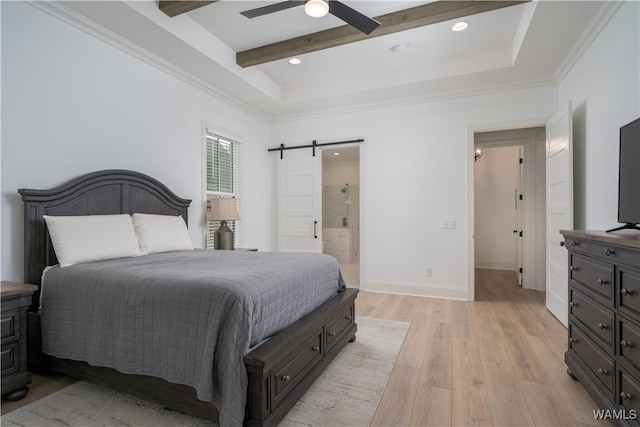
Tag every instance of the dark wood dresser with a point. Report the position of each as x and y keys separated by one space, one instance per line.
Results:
x=15 y=302
x=604 y=319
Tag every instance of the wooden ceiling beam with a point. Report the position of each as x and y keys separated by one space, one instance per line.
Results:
x=430 y=13
x=175 y=8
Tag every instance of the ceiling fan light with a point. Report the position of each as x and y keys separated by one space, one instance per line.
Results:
x=316 y=8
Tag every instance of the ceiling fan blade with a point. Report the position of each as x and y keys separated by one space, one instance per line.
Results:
x=276 y=7
x=353 y=17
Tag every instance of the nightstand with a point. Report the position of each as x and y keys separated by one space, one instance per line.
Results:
x=15 y=299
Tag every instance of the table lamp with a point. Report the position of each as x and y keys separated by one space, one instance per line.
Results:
x=223 y=210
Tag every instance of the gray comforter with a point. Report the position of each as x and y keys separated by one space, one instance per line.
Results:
x=187 y=316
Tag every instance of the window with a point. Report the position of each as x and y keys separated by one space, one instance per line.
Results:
x=223 y=172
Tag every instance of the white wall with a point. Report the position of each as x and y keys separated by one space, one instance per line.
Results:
x=604 y=87
x=73 y=104
x=496 y=179
x=414 y=175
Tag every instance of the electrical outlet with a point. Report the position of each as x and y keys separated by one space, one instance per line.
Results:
x=429 y=272
x=449 y=224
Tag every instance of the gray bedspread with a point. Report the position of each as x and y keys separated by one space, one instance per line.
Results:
x=186 y=316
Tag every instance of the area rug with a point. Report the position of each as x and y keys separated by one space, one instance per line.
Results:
x=346 y=394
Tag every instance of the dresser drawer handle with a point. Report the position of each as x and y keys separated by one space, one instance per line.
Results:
x=348 y=317
x=573 y=304
x=626 y=292
x=625 y=344
x=575 y=243
x=602 y=325
x=609 y=252
x=602 y=371
x=572 y=341
x=315 y=348
x=572 y=268
x=625 y=396
x=602 y=282
x=331 y=333
x=286 y=378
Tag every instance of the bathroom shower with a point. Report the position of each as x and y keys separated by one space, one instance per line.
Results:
x=340 y=217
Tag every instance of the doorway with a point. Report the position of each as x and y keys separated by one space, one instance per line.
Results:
x=509 y=204
x=341 y=209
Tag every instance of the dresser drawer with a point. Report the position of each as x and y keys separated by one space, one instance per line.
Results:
x=599 y=320
x=287 y=374
x=628 y=289
x=595 y=276
x=9 y=324
x=628 y=395
x=629 y=341
x=334 y=329
x=601 y=366
x=10 y=361
x=607 y=252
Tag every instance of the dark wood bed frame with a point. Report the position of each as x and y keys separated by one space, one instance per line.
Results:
x=279 y=371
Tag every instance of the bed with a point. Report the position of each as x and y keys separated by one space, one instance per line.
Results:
x=259 y=363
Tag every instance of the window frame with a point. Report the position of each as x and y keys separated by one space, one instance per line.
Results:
x=210 y=227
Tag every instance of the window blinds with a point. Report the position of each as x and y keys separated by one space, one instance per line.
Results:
x=223 y=178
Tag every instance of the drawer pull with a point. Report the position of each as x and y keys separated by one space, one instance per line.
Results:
x=575 y=243
x=625 y=396
x=573 y=304
x=286 y=378
x=315 y=348
x=602 y=325
x=602 y=282
x=625 y=344
x=626 y=292
x=572 y=268
x=332 y=333
x=602 y=371
x=348 y=317
x=609 y=252
x=572 y=341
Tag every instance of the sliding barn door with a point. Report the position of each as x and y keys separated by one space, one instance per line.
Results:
x=559 y=153
x=300 y=201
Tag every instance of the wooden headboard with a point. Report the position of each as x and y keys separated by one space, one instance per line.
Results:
x=98 y=193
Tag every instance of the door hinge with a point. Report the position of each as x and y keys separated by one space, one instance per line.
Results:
x=521 y=160
x=520 y=270
x=521 y=197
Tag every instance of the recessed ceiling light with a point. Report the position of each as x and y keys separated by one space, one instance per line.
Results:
x=336 y=154
x=460 y=26
x=400 y=47
x=294 y=61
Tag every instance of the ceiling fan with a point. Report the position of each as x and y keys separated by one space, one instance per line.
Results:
x=318 y=9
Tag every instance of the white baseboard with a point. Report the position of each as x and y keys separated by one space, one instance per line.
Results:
x=415 y=289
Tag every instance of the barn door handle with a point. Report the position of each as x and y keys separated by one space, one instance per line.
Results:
x=315 y=229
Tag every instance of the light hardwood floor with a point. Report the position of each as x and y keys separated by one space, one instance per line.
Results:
x=496 y=361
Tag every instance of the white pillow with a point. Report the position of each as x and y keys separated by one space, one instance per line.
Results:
x=161 y=233
x=92 y=237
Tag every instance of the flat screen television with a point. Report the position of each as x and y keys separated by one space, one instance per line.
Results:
x=629 y=177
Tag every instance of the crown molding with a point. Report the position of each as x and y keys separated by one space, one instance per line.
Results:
x=416 y=100
x=63 y=13
x=607 y=10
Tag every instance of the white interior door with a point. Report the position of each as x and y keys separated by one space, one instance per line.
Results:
x=559 y=161
x=300 y=201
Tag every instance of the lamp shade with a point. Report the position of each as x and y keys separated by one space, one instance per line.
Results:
x=225 y=209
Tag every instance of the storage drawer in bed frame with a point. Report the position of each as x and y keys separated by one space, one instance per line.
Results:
x=282 y=378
